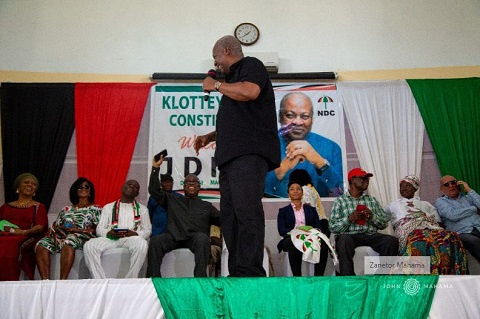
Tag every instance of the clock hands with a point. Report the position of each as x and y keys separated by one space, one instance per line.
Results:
x=246 y=34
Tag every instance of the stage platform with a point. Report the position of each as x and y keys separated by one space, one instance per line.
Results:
x=279 y=297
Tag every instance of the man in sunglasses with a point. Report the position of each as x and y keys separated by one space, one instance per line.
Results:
x=355 y=219
x=459 y=209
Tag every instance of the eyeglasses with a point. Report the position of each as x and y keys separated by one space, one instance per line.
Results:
x=192 y=183
x=86 y=187
x=450 y=183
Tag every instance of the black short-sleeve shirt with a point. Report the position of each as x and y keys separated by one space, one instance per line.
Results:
x=248 y=127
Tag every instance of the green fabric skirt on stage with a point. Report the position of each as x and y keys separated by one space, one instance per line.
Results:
x=297 y=297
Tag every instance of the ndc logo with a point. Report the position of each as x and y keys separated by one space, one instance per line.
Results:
x=325 y=112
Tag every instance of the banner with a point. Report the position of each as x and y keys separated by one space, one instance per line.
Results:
x=179 y=114
x=322 y=138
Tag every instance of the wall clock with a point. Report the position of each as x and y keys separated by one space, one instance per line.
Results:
x=247 y=33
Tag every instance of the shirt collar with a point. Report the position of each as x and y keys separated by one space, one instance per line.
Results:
x=233 y=68
x=348 y=194
x=403 y=199
x=295 y=210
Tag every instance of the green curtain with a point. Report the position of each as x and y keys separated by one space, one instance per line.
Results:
x=450 y=109
x=297 y=297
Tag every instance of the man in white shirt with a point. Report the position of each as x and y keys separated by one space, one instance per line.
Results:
x=123 y=223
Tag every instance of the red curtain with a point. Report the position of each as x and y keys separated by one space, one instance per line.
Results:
x=107 y=119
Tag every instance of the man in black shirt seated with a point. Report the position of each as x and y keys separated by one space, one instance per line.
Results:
x=188 y=223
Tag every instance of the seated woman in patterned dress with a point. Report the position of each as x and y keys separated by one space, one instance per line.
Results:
x=416 y=224
x=74 y=225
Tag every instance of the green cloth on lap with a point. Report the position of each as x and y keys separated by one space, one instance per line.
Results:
x=297 y=297
x=304 y=227
x=4 y=223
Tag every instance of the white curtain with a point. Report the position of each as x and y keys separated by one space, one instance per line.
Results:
x=387 y=131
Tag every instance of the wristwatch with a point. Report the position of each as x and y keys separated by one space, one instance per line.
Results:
x=323 y=168
x=217 y=85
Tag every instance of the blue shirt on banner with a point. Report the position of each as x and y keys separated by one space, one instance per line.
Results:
x=328 y=183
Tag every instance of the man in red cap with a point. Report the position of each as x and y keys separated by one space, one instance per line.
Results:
x=355 y=219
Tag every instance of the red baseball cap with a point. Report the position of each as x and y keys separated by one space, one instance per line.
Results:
x=358 y=172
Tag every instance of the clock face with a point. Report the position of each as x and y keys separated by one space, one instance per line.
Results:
x=247 y=33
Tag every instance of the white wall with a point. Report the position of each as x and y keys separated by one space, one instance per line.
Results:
x=146 y=36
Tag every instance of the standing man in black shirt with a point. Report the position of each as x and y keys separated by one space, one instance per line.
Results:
x=247 y=146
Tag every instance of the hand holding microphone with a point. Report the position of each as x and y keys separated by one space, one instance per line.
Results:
x=209 y=81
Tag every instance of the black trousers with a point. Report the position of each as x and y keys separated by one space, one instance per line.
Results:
x=384 y=245
x=295 y=258
x=242 y=183
x=295 y=255
x=198 y=243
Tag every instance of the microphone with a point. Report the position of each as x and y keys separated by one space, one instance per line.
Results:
x=213 y=74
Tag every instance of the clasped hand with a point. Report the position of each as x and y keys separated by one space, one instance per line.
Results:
x=301 y=150
x=360 y=215
x=117 y=234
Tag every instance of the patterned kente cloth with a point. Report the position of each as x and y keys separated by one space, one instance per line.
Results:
x=426 y=238
x=412 y=221
x=82 y=218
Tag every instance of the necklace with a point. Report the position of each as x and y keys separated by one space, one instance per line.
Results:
x=24 y=203
x=83 y=205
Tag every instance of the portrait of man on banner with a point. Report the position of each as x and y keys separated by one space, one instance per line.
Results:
x=311 y=134
x=310 y=123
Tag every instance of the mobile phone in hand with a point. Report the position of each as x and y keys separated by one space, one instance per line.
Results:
x=120 y=230
x=157 y=157
x=360 y=208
